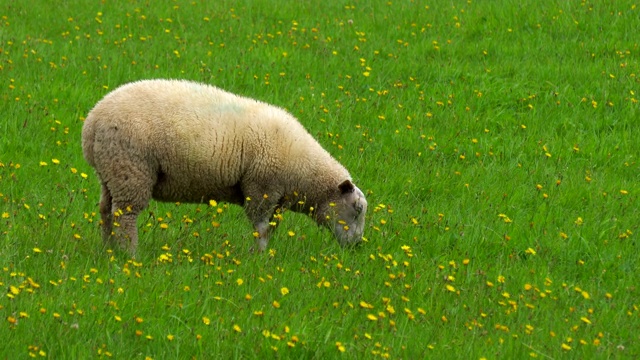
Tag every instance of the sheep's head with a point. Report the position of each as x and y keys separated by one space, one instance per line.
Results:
x=346 y=214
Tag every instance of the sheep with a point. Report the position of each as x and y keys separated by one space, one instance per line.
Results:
x=183 y=141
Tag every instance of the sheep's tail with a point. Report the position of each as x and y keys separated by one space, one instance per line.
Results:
x=88 y=139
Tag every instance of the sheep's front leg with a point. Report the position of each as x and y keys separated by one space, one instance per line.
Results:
x=261 y=214
x=262 y=234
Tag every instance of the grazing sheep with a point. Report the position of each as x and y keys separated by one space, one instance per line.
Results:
x=181 y=141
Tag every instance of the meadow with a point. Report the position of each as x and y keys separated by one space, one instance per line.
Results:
x=496 y=142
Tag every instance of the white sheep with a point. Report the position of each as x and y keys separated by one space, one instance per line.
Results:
x=181 y=141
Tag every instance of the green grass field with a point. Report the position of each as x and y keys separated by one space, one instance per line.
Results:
x=496 y=142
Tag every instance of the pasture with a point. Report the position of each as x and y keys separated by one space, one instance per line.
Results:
x=497 y=144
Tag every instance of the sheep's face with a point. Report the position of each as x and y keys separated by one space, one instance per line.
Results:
x=348 y=213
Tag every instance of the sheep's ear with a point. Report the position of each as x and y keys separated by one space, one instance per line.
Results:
x=346 y=187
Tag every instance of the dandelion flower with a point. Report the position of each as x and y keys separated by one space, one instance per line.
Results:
x=365 y=305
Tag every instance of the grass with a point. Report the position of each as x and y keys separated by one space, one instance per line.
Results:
x=496 y=143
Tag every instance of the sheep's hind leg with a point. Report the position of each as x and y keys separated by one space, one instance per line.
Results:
x=127 y=232
x=131 y=191
x=106 y=214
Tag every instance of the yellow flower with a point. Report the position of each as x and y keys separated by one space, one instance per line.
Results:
x=206 y=320
x=372 y=317
x=365 y=305
x=566 y=347
x=237 y=328
x=284 y=291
